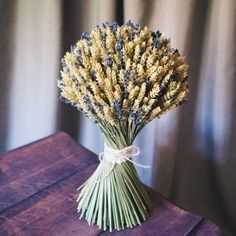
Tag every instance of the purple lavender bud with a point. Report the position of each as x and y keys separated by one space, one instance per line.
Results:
x=127 y=76
x=177 y=52
x=136 y=27
x=133 y=115
x=136 y=116
x=130 y=23
x=103 y=37
x=119 y=45
x=85 y=35
x=155 y=40
x=107 y=61
x=155 y=43
x=161 y=92
x=114 y=26
x=77 y=51
x=79 y=60
x=86 y=99
x=148 y=85
x=93 y=75
x=173 y=78
x=63 y=62
x=117 y=107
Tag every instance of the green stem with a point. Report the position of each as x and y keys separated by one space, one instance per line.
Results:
x=114 y=201
x=113 y=197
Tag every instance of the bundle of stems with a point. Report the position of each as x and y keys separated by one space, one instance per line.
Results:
x=113 y=197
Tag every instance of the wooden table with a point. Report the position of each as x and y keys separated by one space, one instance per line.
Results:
x=38 y=188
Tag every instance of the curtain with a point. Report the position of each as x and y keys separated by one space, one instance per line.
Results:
x=191 y=150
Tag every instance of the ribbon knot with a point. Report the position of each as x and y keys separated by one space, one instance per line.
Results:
x=116 y=156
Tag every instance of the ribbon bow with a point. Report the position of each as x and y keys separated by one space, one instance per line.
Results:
x=116 y=156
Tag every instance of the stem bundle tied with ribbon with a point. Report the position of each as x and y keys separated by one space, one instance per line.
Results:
x=121 y=77
x=113 y=196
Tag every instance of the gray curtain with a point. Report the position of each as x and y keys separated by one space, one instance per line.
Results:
x=191 y=149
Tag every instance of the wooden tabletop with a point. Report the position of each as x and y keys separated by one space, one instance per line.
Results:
x=38 y=185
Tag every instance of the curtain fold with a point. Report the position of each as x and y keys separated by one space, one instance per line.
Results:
x=7 y=27
x=191 y=149
x=35 y=42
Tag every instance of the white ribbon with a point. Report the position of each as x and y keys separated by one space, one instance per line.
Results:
x=118 y=156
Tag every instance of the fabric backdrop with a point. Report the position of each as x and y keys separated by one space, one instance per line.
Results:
x=191 y=149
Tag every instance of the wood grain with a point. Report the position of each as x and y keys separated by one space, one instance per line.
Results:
x=38 y=185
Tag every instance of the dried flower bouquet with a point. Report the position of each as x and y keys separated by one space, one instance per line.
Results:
x=121 y=77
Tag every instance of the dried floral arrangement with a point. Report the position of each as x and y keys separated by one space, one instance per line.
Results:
x=121 y=77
